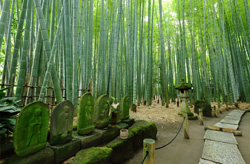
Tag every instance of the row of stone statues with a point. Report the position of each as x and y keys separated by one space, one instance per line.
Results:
x=32 y=125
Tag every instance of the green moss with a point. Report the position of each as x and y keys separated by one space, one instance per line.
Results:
x=93 y=155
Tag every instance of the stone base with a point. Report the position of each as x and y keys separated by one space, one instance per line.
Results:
x=6 y=150
x=122 y=126
x=109 y=134
x=141 y=130
x=93 y=139
x=129 y=121
x=191 y=116
x=44 y=156
x=94 y=155
x=122 y=149
x=65 y=151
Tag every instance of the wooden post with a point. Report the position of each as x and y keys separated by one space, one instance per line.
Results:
x=186 y=131
x=215 y=112
x=201 y=116
x=149 y=146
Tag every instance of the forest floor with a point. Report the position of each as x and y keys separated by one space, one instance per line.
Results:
x=184 y=151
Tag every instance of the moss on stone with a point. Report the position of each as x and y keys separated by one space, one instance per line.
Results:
x=94 y=155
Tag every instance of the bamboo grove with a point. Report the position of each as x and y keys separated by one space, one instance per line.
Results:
x=139 y=48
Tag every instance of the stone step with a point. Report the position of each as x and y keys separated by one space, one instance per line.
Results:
x=220 y=136
x=233 y=117
x=230 y=121
x=203 y=161
x=227 y=126
x=220 y=152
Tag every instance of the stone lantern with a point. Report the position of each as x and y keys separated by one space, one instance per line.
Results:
x=183 y=88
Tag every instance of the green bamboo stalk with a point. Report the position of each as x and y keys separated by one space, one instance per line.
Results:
x=23 y=59
x=45 y=36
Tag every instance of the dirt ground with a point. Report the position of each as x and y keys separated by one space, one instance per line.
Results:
x=183 y=151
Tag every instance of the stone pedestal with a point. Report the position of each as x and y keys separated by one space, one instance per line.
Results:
x=65 y=151
x=94 y=155
x=129 y=121
x=122 y=126
x=41 y=157
x=93 y=139
x=109 y=134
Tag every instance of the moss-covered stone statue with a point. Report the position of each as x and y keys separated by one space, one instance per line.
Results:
x=183 y=88
x=102 y=112
x=124 y=106
x=31 y=129
x=85 y=116
x=61 y=123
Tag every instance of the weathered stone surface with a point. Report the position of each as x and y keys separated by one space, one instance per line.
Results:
x=61 y=123
x=206 y=108
x=119 y=114
x=109 y=134
x=222 y=153
x=129 y=121
x=41 y=157
x=6 y=150
x=122 y=126
x=220 y=136
x=125 y=108
x=93 y=139
x=239 y=111
x=31 y=129
x=230 y=121
x=122 y=149
x=102 y=112
x=95 y=155
x=86 y=114
x=202 y=161
x=228 y=126
x=141 y=130
x=65 y=151
x=233 y=117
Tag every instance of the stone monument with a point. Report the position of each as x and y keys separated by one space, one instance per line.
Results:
x=31 y=129
x=183 y=88
x=61 y=128
x=124 y=106
x=86 y=114
x=61 y=123
x=102 y=112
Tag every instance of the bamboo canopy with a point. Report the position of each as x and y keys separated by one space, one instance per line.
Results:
x=138 y=48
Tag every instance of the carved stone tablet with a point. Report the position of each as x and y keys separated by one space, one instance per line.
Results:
x=124 y=106
x=85 y=116
x=31 y=129
x=61 y=123
x=102 y=112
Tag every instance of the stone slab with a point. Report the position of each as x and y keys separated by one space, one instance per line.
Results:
x=236 y=112
x=122 y=126
x=228 y=126
x=65 y=151
x=203 y=161
x=109 y=134
x=233 y=117
x=129 y=121
x=220 y=136
x=122 y=149
x=43 y=156
x=239 y=111
x=230 y=121
x=220 y=152
x=94 y=155
x=93 y=139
